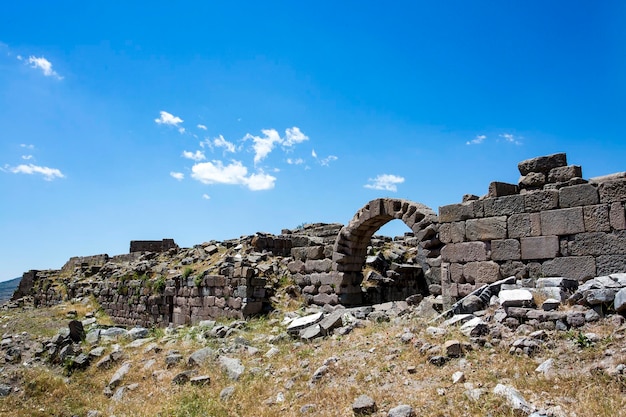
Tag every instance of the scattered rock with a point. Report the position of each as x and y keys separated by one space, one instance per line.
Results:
x=364 y=405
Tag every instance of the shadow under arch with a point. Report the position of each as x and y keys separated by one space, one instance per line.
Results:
x=350 y=248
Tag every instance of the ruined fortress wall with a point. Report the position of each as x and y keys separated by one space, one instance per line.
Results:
x=152 y=245
x=553 y=223
x=238 y=293
x=78 y=261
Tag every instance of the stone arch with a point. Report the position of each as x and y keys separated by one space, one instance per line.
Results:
x=350 y=248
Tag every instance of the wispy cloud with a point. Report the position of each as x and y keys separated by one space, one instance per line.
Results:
x=477 y=140
x=206 y=197
x=385 y=182
x=298 y=161
x=194 y=156
x=263 y=145
x=510 y=138
x=177 y=175
x=27 y=157
x=235 y=173
x=169 y=119
x=203 y=127
x=220 y=142
x=294 y=136
x=326 y=161
x=23 y=145
x=48 y=174
x=44 y=65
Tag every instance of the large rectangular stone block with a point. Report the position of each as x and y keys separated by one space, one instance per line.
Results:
x=540 y=247
x=612 y=191
x=541 y=200
x=481 y=272
x=501 y=189
x=578 y=195
x=464 y=252
x=456 y=273
x=597 y=218
x=503 y=206
x=524 y=225
x=452 y=232
x=505 y=250
x=616 y=216
x=487 y=228
x=455 y=212
x=610 y=264
x=563 y=174
x=575 y=267
x=562 y=222
x=598 y=243
x=542 y=163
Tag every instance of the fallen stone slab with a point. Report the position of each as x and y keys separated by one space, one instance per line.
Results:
x=303 y=322
x=311 y=332
x=331 y=321
x=475 y=327
x=117 y=377
x=515 y=298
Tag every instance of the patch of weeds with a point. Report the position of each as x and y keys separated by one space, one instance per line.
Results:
x=581 y=340
x=195 y=403
x=158 y=286
x=122 y=290
x=197 y=280
x=187 y=272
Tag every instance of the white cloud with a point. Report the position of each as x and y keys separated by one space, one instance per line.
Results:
x=177 y=175
x=298 y=161
x=27 y=157
x=326 y=161
x=293 y=136
x=23 y=145
x=385 y=182
x=313 y=154
x=260 y=181
x=48 y=173
x=263 y=145
x=203 y=127
x=477 y=140
x=206 y=196
x=235 y=173
x=168 y=119
x=194 y=156
x=511 y=138
x=44 y=65
x=220 y=142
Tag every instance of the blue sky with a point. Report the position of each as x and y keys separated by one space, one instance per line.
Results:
x=212 y=120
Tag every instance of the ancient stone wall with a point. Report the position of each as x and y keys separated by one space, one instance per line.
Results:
x=94 y=262
x=552 y=223
x=152 y=245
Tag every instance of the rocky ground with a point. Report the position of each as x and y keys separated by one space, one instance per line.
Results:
x=392 y=359
x=516 y=347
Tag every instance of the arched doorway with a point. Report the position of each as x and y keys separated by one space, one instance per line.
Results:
x=350 y=249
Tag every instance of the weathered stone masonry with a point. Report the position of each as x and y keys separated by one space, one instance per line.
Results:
x=553 y=223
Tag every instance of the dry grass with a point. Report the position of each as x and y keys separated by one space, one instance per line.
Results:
x=370 y=360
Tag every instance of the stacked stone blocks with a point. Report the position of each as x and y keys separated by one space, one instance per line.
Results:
x=552 y=223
